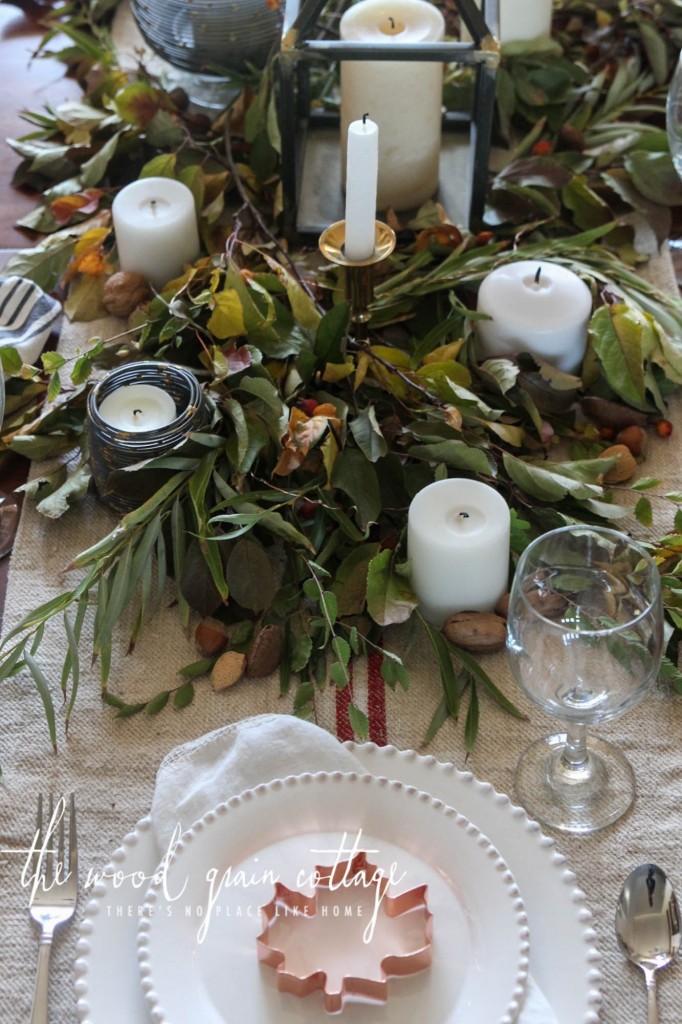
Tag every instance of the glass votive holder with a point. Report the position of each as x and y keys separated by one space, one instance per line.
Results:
x=115 y=449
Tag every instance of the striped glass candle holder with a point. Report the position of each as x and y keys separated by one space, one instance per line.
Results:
x=115 y=450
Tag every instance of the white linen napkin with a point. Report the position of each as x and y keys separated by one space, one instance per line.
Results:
x=197 y=776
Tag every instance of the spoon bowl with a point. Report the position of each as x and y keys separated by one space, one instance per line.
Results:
x=648 y=925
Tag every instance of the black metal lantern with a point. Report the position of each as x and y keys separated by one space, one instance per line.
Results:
x=310 y=138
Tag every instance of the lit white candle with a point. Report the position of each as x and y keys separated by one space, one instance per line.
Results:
x=138 y=408
x=156 y=230
x=537 y=307
x=404 y=98
x=521 y=20
x=458 y=548
x=361 y=189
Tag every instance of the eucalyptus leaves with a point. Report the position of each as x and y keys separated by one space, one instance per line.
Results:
x=289 y=509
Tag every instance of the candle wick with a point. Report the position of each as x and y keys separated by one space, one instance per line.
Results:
x=137 y=412
x=152 y=203
x=392 y=21
x=463 y=515
x=537 y=275
x=364 y=118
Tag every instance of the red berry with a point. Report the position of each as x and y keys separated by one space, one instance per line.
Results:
x=542 y=148
x=389 y=543
x=307 y=509
x=308 y=405
x=664 y=428
x=607 y=433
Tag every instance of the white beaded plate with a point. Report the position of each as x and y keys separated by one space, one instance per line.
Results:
x=197 y=935
x=567 y=967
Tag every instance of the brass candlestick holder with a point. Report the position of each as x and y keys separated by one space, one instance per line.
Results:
x=359 y=273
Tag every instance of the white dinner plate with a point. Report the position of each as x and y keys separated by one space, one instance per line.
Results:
x=564 y=958
x=197 y=937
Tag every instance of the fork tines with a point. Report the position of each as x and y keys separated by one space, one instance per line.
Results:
x=47 y=833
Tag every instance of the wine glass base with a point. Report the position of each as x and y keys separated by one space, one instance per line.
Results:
x=574 y=800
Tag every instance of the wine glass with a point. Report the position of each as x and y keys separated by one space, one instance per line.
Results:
x=585 y=639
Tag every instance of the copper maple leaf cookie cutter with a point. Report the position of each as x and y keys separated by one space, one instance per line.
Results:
x=301 y=908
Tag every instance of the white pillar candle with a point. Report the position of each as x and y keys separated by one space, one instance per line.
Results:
x=521 y=20
x=138 y=408
x=156 y=231
x=361 y=189
x=458 y=548
x=405 y=98
x=537 y=307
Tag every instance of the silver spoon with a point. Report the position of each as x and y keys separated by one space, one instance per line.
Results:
x=648 y=925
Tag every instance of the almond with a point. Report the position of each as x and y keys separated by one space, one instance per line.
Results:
x=228 y=670
x=210 y=637
x=478 y=632
x=623 y=468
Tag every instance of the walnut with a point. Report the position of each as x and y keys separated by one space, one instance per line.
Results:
x=124 y=291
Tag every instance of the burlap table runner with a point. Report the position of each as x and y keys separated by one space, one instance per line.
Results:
x=111 y=764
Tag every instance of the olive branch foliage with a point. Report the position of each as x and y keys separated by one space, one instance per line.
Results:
x=290 y=508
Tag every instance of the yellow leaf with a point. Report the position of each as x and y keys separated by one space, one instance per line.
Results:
x=512 y=435
x=79 y=136
x=330 y=450
x=444 y=352
x=453 y=417
x=361 y=371
x=227 y=318
x=394 y=356
x=84 y=301
x=92 y=239
x=334 y=372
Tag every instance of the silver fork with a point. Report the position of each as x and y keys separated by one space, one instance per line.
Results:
x=54 y=890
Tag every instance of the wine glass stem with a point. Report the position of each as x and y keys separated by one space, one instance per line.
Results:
x=574 y=756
